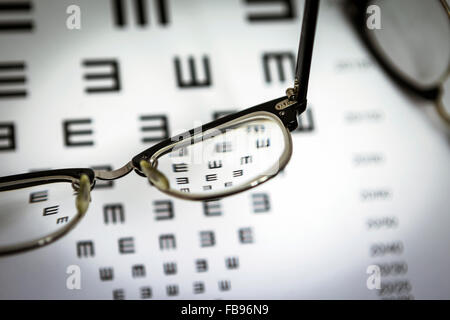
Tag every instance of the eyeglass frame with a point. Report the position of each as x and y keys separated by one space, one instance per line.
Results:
x=356 y=11
x=284 y=109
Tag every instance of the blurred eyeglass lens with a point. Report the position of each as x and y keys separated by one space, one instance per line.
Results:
x=414 y=39
x=34 y=213
x=227 y=158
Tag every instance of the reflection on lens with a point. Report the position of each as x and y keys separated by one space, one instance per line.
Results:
x=32 y=214
x=414 y=40
x=230 y=158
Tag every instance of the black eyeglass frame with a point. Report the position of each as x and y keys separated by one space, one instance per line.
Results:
x=286 y=109
x=356 y=11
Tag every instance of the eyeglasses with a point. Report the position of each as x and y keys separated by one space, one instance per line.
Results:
x=229 y=155
x=412 y=44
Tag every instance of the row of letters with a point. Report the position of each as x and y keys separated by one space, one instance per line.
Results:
x=126 y=245
x=13 y=74
x=11 y=13
x=198 y=287
x=78 y=132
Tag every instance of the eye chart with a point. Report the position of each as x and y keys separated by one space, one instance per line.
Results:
x=367 y=185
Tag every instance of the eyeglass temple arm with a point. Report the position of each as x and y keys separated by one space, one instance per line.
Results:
x=305 y=49
x=37 y=178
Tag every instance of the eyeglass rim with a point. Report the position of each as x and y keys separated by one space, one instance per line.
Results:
x=358 y=17
x=287 y=116
x=283 y=161
x=42 y=241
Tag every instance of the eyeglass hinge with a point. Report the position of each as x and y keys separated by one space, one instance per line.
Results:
x=291 y=94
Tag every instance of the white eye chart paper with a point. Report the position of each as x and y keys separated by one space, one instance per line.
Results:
x=367 y=184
